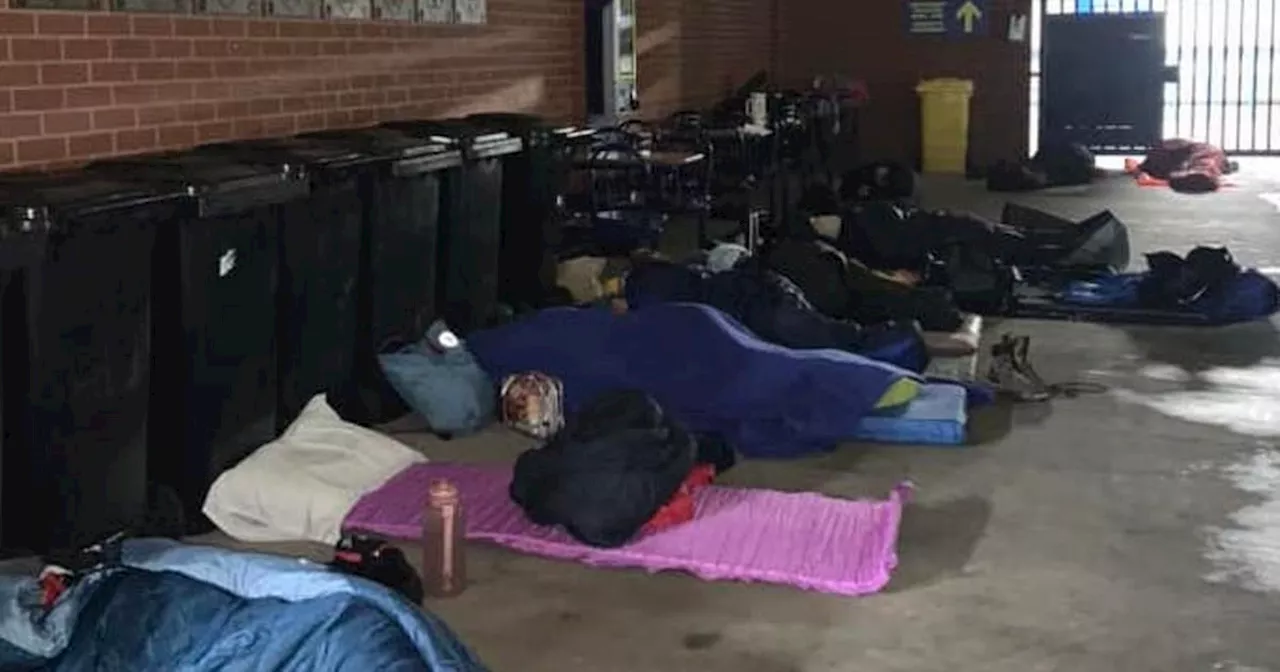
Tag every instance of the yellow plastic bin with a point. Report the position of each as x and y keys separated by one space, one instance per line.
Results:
x=944 y=132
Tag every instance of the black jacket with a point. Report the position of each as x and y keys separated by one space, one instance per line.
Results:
x=615 y=463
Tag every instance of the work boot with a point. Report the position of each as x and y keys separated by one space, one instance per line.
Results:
x=1022 y=360
x=1008 y=377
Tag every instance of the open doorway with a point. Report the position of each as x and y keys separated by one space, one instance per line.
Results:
x=1117 y=74
x=610 y=53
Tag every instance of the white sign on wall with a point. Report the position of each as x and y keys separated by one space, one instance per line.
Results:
x=435 y=11
x=472 y=11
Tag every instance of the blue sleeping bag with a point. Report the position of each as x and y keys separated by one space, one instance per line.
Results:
x=1108 y=291
x=440 y=379
x=176 y=607
x=705 y=369
x=774 y=309
x=1206 y=287
x=1246 y=297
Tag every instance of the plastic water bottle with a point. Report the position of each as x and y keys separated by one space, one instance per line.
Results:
x=444 y=569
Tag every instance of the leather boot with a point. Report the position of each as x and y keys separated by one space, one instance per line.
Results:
x=1008 y=378
x=1021 y=359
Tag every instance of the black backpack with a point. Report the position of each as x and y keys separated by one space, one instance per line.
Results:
x=979 y=283
x=377 y=560
x=617 y=461
x=1065 y=164
x=1173 y=282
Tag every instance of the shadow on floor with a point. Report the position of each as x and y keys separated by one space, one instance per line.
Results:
x=1198 y=349
x=989 y=424
x=713 y=645
x=937 y=540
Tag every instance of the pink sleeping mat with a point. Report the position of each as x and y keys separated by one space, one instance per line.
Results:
x=805 y=540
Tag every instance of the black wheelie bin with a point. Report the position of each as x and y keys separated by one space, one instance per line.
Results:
x=77 y=354
x=470 y=221
x=214 y=385
x=319 y=265
x=20 y=248
x=532 y=183
x=400 y=252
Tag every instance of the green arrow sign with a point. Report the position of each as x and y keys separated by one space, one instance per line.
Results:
x=969 y=15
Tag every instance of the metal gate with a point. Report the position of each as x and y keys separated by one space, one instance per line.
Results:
x=1222 y=54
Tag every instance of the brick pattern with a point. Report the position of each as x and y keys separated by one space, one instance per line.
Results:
x=868 y=40
x=693 y=53
x=76 y=86
x=732 y=42
x=80 y=86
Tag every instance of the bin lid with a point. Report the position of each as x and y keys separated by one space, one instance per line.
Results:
x=409 y=155
x=195 y=171
x=450 y=130
x=383 y=143
x=946 y=85
x=475 y=140
x=219 y=183
x=288 y=154
x=525 y=124
x=38 y=200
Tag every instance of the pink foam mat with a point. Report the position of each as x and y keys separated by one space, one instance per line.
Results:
x=805 y=540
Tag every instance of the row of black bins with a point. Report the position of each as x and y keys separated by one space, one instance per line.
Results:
x=163 y=316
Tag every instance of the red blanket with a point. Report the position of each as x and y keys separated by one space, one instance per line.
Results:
x=1188 y=166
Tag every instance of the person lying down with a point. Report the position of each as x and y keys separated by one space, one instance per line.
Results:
x=706 y=368
x=767 y=304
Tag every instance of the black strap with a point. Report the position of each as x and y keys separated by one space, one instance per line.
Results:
x=1076 y=388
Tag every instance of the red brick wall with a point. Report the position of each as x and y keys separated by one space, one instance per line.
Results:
x=78 y=86
x=694 y=52
x=868 y=40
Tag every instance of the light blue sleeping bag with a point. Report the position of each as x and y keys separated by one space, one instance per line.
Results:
x=171 y=607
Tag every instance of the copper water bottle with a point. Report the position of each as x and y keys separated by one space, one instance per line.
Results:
x=444 y=569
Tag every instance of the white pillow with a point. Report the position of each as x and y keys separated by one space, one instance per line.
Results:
x=827 y=226
x=301 y=486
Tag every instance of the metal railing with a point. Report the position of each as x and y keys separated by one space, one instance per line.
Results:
x=1223 y=56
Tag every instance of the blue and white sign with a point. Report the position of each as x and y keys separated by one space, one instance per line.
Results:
x=955 y=18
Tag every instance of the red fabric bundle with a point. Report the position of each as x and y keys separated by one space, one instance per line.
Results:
x=1186 y=165
x=679 y=509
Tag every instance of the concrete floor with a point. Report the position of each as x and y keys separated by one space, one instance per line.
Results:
x=1128 y=531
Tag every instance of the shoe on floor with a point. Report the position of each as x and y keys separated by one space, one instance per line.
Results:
x=1022 y=360
x=1011 y=375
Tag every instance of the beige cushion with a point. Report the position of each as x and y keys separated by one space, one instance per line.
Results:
x=827 y=226
x=301 y=486
x=959 y=343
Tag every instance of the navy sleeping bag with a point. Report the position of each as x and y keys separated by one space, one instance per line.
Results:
x=175 y=607
x=704 y=368
x=1207 y=285
x=774 y=309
